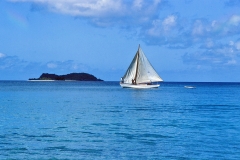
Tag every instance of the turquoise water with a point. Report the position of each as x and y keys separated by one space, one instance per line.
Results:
x=100 y=120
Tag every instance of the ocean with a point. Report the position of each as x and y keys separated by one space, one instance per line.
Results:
x=100 y=120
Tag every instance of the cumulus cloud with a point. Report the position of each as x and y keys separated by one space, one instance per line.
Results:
x=175 y=31
x=2 y=55
x=198 y=28
x=215 y=54
x=79 y=7
x=11 y=62
x=219 y=29
x=51 y=65
x=137 y=4
x=160 y=27
x=234 y=20
x=15 y=68
x=207 y=58
x=68 y=66
x=231 y=62
x=103 y=13
x=169 y=30
x=214 y=50
x=237 y=45
x=97 y=8
x=169 y=22
x=15 y=65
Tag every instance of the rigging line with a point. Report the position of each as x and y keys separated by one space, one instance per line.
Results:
x=135 y=79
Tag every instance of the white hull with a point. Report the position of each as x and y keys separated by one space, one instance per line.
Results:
x=139 y=86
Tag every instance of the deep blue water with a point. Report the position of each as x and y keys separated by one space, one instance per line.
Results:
x=100 y=120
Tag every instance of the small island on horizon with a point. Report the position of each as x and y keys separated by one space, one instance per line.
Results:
x=66 y=77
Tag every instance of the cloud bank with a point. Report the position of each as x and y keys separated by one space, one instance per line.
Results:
x=170 y=30
x=216 y=39
x=99 y=8
x=10 y=66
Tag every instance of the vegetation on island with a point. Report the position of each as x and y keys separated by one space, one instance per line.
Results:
x=71 y=76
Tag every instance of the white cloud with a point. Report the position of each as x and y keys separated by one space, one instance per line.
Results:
x=2 y=55
x=52 y=65
x=198 y=28
x=69 y=65
x=98 y=8
x=15 y=64
x=138 y=4
x=80 y=7
x=215 y=53
x=155 y=29
x=231 y=43
x=237 y=45
x=163 y=27
x=11 y=62
x=16 y=67
x=169 y=22
x=231 y=62
x=172 y=30
x=214 y=23
x=234 y=20
x=216 y=28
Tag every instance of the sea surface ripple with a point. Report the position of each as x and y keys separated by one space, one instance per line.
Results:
x=100 y=120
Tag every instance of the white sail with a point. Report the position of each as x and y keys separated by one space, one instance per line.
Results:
x=131 y=71
x=146 y=73
x=140 y=70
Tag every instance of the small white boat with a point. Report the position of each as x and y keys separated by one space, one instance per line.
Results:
x=190 y=87
x=140 y=74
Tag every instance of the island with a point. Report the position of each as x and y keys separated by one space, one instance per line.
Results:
x=67 y=77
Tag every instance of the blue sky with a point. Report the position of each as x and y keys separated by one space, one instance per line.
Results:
x=185 y=40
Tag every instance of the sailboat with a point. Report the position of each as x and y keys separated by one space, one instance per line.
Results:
x=140 y=73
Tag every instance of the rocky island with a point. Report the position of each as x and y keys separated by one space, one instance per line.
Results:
x=67 y=77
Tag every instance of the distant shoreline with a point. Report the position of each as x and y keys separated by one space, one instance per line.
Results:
x=40 y=80
x=67 y=77
x=49 y=80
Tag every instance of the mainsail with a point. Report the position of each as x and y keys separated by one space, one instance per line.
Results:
x=140 y=70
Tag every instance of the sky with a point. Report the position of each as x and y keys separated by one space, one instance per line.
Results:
x=185 y=40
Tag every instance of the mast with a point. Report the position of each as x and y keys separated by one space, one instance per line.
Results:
x=135 y=78
x=140 y=70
